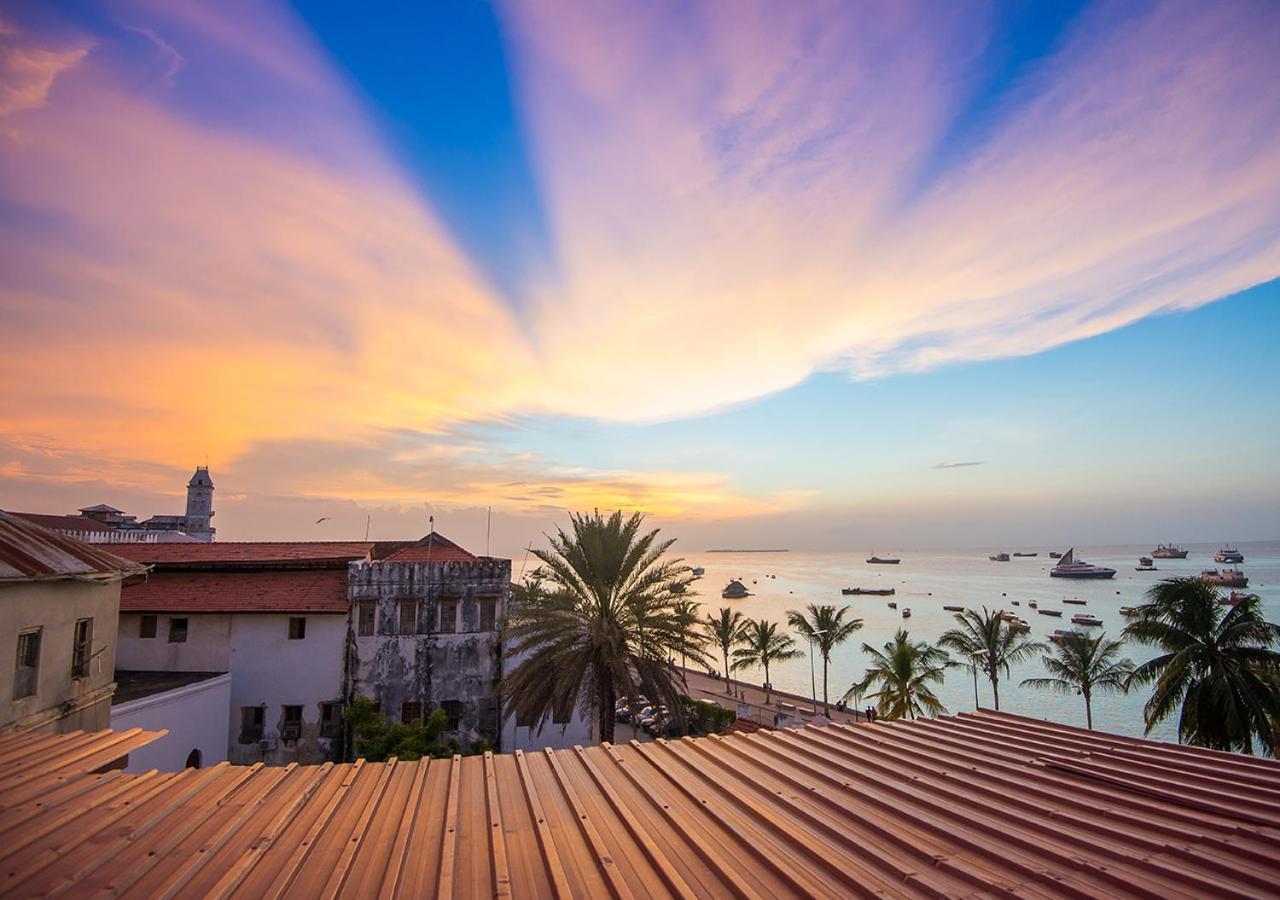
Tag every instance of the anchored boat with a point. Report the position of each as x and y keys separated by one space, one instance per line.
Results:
x=1070 y=567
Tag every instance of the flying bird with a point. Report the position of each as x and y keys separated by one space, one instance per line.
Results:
x=323 y=519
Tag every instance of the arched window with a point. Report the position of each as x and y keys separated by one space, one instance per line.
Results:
x=194 y=758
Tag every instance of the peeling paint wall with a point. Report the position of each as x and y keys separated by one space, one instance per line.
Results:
x=430 y=666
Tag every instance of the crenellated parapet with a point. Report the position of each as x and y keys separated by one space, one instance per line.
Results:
x=417 y=578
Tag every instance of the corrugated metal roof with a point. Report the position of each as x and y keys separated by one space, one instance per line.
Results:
x=970 y=805
x=271 y=591
x=68 y=523
x=28 y=551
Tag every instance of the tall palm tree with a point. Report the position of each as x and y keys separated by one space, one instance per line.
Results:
x=762 y=644
x=725 y=632
x=686 y=612
x=989 y=644
x=825 y=627
x=1217 y=663
x=1084 y=665
x=902 y=674
x=598 y=622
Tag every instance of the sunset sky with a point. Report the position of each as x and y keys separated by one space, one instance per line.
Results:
x=817 y=275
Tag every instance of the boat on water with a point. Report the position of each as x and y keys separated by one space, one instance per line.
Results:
x=884 y=561
x=954 y=608
x=869 y=592
x=999 y=557
x=1070 y=567
x=1021 y=626
x=1086 y=619
x=1076 y=600
x=735 y=590
x=1049 y=612
x=1145 y=564
x=1037 y=553
x=1054 y=554
x=698 y=570
x=1060 y=633
x=906 y=612
x=1125 y=610
x=1228 y=555
x=1169 y=551
x=893 y=604
x=1231 y=577
x=1033 y=604
x=1235 y=597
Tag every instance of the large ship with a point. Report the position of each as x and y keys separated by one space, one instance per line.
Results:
x=1169 y=551
x=1225 y=577
x=1069 y=567
x=1228 y=555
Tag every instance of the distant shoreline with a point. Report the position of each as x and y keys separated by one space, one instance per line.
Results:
x=746 y=551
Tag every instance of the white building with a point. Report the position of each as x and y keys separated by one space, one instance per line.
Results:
x=58 y=605
x=191 y=706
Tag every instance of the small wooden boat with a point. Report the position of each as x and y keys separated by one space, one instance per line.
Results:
x=1125 y=610
x=954 y=608
x=883 y=561
x=1075 y=601
x=869 y=592
x=999 y=557
x=1054 y=554
x=1086 y=619
x=1060 y=633
x=893 y=605
x=1027 y=554
x=1049 y=612
x=906 y=612
x=1016 y=602
x=1032 y=604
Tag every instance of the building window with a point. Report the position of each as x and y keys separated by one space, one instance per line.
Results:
x=297 y=628
x=448 y=616
x=488 y=613
x=177 y=631
x=368 y=615
x=291 y=729
x=409 y=616
x=146 y=626
x=26 y=671
x=410 y=711
x=252 y=720
x=453 y=710
x=81 y=648
x=194 y=759
x=330 y=720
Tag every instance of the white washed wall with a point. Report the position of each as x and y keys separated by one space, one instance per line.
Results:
x=194 y=716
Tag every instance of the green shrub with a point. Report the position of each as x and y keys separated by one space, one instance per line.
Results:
x=377 y=739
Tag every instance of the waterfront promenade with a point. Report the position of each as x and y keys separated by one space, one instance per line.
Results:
x=702 y=686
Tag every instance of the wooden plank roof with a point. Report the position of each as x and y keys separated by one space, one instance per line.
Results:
x=975 y=804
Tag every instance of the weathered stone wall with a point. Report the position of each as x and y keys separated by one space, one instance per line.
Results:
x=428 y=666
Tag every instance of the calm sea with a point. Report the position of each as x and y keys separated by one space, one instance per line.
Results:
x=927 y=580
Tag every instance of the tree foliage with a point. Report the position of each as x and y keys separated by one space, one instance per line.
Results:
x=377 y=739
x=902 y=675
x=762 y=645
x=986 y=641
x=827 y=628
x=1218 y=668
x=598 y=620
x=1085 y=665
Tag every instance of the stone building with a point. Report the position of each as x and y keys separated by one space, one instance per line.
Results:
x=59 y=599
x=423 y=635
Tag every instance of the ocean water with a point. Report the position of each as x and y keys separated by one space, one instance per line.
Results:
x=925 y=581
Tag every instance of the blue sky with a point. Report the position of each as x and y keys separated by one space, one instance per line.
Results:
x=726 y=263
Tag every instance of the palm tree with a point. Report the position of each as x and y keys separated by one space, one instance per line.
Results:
x=686 y=612
x=762 y=645
x=725 y=631
x=597 y=622
x=1083 y=665
x=1218 y=664
x=903 y=673
x=825 y=627
x=990 y=645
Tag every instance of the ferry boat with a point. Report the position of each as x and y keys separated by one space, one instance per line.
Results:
x=734 y=590
x=1086 y=619
x=1225 y=577
x=883 y=561
x=871 y=592
x=1169 y=551
x=1228 y=555
x=1069 y=567
x=1235 y=597
x=999 y=557
x=1145 y=564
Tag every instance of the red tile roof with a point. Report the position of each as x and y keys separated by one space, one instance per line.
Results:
x=972 y=805
x=434 y=547
x=66 y=523
x=28 y=551
x=251 y=552
x=271 y=591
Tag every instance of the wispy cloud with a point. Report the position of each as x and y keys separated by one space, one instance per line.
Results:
x=960 y=465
